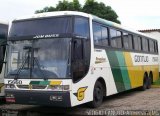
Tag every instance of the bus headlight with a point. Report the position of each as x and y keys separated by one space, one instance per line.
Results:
x=59 y=87
x=65 y=87
x=10 y=86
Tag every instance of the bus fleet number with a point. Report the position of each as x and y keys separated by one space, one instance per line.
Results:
x=14 y=82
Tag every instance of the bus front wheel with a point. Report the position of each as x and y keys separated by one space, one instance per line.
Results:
x=97 y=95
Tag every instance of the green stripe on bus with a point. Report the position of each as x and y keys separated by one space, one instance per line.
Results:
x=124 y=71
x=39 y=82
x=114 y=63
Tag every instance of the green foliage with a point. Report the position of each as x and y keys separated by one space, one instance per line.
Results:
x=157 y=82
x=46 y=9
x=90 y=6
x=65 y=5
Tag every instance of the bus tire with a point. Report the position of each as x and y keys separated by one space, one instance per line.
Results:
x=97 y=95
x=149 y=81
x=145 y=82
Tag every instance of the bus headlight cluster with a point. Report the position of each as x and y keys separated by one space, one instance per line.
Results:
x=10 y=86
x=8 y=95
x=59 y=87
x=10 y=98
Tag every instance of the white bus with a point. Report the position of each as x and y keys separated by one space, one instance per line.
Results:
x=69 y=58
x=3 y=40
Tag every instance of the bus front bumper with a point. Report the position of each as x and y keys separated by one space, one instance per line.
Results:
x=32 y=97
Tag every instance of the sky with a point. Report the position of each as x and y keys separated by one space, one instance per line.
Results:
x=135 y=14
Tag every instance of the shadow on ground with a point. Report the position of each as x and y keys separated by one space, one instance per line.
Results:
x=51 y=111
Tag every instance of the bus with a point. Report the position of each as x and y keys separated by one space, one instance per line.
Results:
x=3 y=40
x=68 y=58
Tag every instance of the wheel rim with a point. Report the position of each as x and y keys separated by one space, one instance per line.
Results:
x=98 y=94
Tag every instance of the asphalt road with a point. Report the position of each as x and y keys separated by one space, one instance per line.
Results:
x=132 y=102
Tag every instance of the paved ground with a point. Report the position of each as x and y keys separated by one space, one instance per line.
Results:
x=148 y=101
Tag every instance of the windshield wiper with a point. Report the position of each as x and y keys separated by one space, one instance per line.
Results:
x=31 y=61
x=37 y=62
x=22 y=67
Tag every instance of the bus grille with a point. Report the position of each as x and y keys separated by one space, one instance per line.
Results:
x=23 y=86
x=39 y=86
x=31 y=86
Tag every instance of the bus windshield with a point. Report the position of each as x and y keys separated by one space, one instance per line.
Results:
x=41 y=48
x=52 y=25
x=39 y=59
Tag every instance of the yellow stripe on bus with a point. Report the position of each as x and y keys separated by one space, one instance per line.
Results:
x=136 y=73
x=55 y=82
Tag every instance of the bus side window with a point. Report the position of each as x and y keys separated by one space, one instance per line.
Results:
x=100 y=35
x=127 y=41
x=151 y=45
x=116 y=38
x=139 y=43
x=155 y=47
x=80 y=48
x=136 y=46
x=105 y=37
x=97 y=34
x=145 y=44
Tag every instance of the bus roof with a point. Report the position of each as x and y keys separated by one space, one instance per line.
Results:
x=61 y=13
x=50 y=14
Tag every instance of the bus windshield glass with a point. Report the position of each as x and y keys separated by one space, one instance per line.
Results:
x=52 y=25
x=39 y=59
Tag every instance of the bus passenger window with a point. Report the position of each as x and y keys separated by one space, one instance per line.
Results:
x=100 y=35
x=139 y=42
x=116 y=38
x=136 y=46
x=104 y=36
x=97 y=34
x=145 y=44
x=127 y=41
x=155 y=47
x=151 y=45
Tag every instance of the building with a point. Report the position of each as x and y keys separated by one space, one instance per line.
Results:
x=155 y=33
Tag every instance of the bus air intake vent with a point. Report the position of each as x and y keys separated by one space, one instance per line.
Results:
x=23 y=86
x=39 y=86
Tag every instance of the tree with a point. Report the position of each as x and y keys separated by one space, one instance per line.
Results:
x=46 y=9
x=100 y=10
x=65 y=5
x=90 y=6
